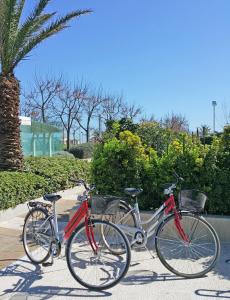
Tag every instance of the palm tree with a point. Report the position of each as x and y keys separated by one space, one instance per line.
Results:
x=17 y=39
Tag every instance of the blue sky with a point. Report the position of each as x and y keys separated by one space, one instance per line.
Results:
x=167 y=56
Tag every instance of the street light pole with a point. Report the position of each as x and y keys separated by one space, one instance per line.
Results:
x=214 y=104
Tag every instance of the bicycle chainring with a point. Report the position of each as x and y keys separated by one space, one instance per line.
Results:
x=140 y=239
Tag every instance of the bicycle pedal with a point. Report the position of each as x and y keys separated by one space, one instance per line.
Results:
x=47 y=264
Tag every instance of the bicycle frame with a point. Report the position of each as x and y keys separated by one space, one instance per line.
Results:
x=80 y=214
x=168 y=207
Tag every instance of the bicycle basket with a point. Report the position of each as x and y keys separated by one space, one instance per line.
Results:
x=192 y=200
x=104 y=205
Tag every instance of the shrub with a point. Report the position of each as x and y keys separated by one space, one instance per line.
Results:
x=83 y=150
x=43 y=175
x=121 y=163
x=16 y=188
x=63 y=154
x=153 y=135
x=126 y=161
x=221 y=182
x=57 y=170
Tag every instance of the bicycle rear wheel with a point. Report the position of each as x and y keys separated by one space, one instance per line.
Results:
x=124 y=217
x=101 y=269
x=37 y=235
x=191 y=259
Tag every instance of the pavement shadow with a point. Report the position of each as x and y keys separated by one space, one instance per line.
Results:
x=140 y=277
x=222 y=268
x=29 y=273
x=213 y=293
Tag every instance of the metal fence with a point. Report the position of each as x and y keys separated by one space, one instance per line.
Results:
x=40 y=139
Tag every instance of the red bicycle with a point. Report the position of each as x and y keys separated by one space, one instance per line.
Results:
x=89 y=259
x=185 y=242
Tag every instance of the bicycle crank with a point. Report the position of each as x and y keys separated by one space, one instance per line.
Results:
x=140 y=239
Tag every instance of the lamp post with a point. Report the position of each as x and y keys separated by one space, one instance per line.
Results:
x=214 y=104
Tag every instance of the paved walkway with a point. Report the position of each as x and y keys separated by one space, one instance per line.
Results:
x=147 y=278
x=11 y=247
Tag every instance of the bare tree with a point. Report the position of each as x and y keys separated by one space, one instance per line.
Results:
x=37 y=102
x=175 y=122
x=67 y=106
x=111 y=107
x=146 y=118
x=130 y=111
x=90 y=109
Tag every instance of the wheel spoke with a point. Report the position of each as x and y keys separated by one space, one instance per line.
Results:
x=188 y=259
x=102 y=269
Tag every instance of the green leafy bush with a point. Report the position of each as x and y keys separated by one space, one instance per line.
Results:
x=220 y=191
x=57 y=170
x=128 y=160
x=16 y=188
x=154 y=135
x=43 y=175
x=121 y=163
x=83 y=150
x=63 y=154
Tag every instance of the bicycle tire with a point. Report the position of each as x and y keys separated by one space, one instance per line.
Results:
x=35 y=242
x=169 y=243
x=124 y=208
x=83 y=268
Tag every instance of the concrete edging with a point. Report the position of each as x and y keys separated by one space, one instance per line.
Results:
x=220 y=223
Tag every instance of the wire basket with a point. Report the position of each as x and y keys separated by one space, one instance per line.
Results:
x=192 y=200
x=104 y=205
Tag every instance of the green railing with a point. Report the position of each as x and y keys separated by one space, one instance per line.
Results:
x=41 y=139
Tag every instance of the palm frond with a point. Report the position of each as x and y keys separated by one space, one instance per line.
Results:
x=8 y=32
x=39 y=8
x=11 y=35
x=33 y=23
x=2 y=20
x=52 y=29
x=18 y=11
x=29 y=29
x=16 y=40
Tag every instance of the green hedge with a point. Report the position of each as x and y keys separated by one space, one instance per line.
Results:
x=63 y=154
x=43 y=175
x=83 y=150
x=16 y=188
x=126 y=161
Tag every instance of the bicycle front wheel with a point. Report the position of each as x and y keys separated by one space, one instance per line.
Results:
x=191 y=259
x=100 y=269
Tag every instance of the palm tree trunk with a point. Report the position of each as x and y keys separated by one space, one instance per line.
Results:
x=10 y=148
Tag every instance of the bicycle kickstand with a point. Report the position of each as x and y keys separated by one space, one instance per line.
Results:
x=149 y=252
x=49 y=263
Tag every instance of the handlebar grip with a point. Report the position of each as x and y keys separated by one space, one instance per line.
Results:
x=78 y=182
x=177 y=176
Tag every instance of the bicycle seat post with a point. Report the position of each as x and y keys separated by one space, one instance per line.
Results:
x=55 y=220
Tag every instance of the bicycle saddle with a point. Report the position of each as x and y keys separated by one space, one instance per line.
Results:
x=51 y=197
x=133 y=192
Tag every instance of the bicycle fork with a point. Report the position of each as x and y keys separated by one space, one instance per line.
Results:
x=90 y=235
x=180 y=230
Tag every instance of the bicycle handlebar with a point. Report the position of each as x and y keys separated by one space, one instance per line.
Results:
x=82 y=182
x=169 y=189
x=178 y=177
